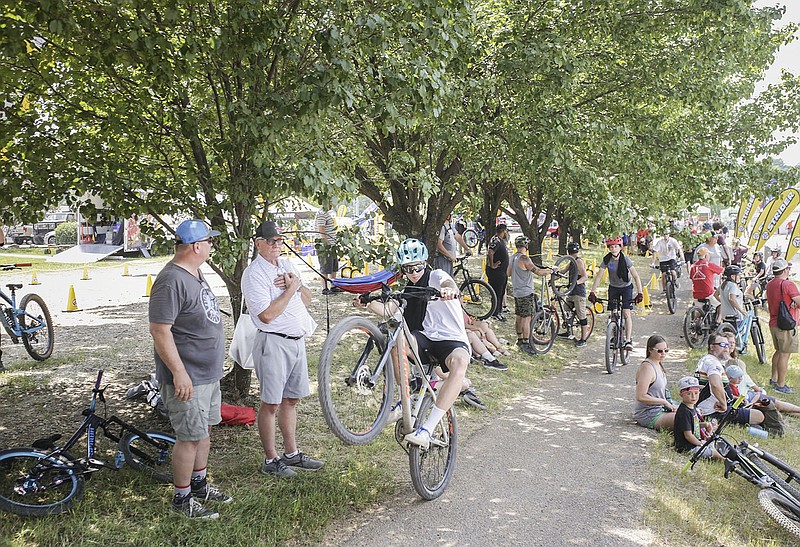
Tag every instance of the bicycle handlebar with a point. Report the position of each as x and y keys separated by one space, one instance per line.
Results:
x=7 y=267
x=427 y=293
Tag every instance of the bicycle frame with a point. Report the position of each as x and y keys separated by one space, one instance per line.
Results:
x=10 y=315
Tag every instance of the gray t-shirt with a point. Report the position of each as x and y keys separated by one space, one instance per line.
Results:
x=180 y=299
x=522 y=283
x=613 y=278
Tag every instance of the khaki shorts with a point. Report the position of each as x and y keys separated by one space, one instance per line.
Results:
x=785 y=341
x=579 y=306
x=190 y=419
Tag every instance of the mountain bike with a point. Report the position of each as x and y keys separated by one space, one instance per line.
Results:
x=46 y=479
x=545 y=320
x=748 y=328
x=474 y=237
x=356 y=386
x=30 y=322
x=477 y=297
x=779 y=494
x=670 y=287
x=615 y=350
x=567 y=320
x=699 y=322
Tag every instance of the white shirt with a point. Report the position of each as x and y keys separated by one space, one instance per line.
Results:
x=709 y=365
x=444 y=319
x=259 y=290
x=667 y=249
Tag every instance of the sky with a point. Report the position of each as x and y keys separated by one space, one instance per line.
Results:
x=788 y=57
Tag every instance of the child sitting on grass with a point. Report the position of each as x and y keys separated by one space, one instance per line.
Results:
x=687 y=421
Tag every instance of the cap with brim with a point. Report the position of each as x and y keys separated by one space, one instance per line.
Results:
x=734 y=371
x=779 y=265
x=192 y=231
x=702 y=251
x=688 y=382
x=268 y=230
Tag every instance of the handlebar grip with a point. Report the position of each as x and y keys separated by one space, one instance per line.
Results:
x=738 y=401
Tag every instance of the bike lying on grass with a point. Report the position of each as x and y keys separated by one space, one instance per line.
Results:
x=46 y=479
x=779 y=496
x=30 y=322
x=356 y=390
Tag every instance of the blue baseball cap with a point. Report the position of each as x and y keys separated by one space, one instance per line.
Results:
x=192 y=231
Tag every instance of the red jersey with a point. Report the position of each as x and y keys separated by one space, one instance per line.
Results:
x=790 y=290
x=702 y=275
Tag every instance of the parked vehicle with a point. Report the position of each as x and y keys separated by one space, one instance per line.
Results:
x=20 y=234
x=44 y=232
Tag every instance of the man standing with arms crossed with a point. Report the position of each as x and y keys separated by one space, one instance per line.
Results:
x=277 y=300
x=189 y=345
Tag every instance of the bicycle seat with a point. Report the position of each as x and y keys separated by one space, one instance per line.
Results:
x=14 y=286
x=47 y=443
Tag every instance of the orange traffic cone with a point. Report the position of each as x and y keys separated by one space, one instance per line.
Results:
x=72 y=302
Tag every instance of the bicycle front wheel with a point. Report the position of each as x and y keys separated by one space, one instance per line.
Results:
x=611 y=347
x=781 y=510
x=39 y=343
x=470 y=238
x=562 y=285
x=478 y=298
x=544 y=327
x=672 y=299
x=432 y=469
x=33 y=484
x=355 y=383
x=693 y=331
x=757 y=336
x=590 y=319
x=151 y=458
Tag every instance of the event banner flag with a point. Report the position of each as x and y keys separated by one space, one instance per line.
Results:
x=746 y=210
x=755 y=233
x=794 y=240
x=783 y=206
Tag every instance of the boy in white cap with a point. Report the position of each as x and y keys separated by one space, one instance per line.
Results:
x=687 y=421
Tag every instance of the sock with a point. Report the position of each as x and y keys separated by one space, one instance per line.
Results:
x=295 y=453
x=487 y=355
x=183 y=491
x=198 y=475
x=270 y=460
x=433 y=418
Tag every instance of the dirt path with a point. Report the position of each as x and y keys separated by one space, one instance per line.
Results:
x=564 y=464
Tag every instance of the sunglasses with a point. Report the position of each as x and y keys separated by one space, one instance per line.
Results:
x=416 y=268
x=662 y=351
x=721 y=344
x=208 y=239
x=273 y=241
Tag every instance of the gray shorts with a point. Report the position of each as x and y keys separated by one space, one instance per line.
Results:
x=191 y=419
x=281 y=368
x=707 y=453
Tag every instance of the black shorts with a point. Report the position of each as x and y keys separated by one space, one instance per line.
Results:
x=740 y=416
x=439 y=349
x=625 y=294
x=668 y=265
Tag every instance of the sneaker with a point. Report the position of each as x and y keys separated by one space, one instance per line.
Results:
x=503 y=341
x=191 y=508
x=628 y=345
x=420 y=438
x=204 y=491
x=395 y=414
x=336 y=290
x=471 y=398
x=783 y=389
x=526 y=348
x=495 y=365
x=301 y=461
x=580 y=343
x=772 y=382
x=277 y=468
x=505 y=309
x=500 y=317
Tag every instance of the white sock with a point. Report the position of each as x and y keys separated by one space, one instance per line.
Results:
x=487 y=355
x=433 y=418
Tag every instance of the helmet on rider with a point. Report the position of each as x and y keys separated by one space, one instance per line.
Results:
x=573 y=247
x=521 y=241
x=614 y=241
x=411 y=250
x=731 y=270
x=758 y=254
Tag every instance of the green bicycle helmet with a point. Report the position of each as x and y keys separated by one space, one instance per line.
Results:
x=411 y=250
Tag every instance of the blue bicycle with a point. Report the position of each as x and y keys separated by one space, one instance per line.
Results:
x=748 y=328
x=30 y=322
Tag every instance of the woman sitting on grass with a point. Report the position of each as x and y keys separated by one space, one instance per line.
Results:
x=653 y=409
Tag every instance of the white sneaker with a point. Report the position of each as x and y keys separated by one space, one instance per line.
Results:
x=395 y=414
x=420 y=438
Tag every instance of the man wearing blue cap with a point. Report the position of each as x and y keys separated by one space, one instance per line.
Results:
x=189 y=345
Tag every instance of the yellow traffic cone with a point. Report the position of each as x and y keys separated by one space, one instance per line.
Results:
x=149 y=285
x=72 y=302
x=653 y=283
x=366 y=268
x=125 y=272
x=594 y=263
x=85 y=274
x=34 y=278
x=646 y=304
x=550 y=254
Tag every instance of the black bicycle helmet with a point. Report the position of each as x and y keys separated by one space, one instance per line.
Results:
x=573 y=247
x=521 y=241
x=731 y=270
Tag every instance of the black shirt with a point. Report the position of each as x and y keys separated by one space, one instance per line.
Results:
x=684 y=421
x=498 y=247
x=416 y=307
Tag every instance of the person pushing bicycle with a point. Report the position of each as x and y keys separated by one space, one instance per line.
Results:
x=577 y=296
x=437 y=327
x=620 y=287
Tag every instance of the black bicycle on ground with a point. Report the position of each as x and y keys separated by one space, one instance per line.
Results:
x=779 y=483
x=46 y=479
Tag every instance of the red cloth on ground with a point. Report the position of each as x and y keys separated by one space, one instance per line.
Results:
x=237 y=415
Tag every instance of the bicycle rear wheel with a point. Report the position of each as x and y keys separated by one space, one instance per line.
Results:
x=33 y=484
x=470 y=238
x=781 y=510
x=478 y=298
x=611 y=352
x=432 y=469
x=544 y=327
x=757 y=336
x=562 y=285
x=148 y=458
x=354 y=393
x=693 y=331
x=38 y=344
x=775 y=474
x=672 y=299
